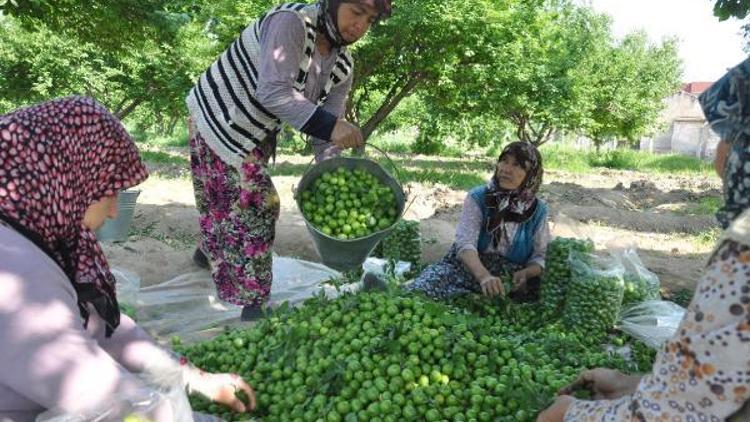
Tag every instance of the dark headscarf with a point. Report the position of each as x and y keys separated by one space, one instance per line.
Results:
x=56 y=159
x=726 y=105
x=328 y=20
x=517 y=205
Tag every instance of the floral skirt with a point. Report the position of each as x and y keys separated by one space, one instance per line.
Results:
x=449 y=277
x=238 y=213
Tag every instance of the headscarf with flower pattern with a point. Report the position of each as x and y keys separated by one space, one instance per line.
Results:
x=56 y=159
x=517 y=205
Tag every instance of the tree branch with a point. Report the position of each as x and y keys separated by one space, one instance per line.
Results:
x=395 y=95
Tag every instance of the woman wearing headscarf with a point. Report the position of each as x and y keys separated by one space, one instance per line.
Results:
x=503 y=231
x=290 y=66
x=65 y=345
x=701 y=373
x=725 y=105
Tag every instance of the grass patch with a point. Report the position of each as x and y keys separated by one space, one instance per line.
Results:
x=648 y=162
x=402 y=142
x=161 y=157
x=178 y=138
x=707 y=205
x=456 y=174
x=557 y=157
x=459 y=167
x=563 y=157
x=560 y=157
x=708 y=238
x=676 y=163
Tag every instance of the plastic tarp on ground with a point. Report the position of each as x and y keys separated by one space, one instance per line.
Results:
x=187 y=305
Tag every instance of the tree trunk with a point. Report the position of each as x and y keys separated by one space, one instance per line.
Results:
x=173 y=123
x=125 y=111
x=392 y=100
x=521 y=130
x=119 y=106
x=543 y=136
x=526 y=132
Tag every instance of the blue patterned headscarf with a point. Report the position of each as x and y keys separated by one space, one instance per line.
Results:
x=726 y=105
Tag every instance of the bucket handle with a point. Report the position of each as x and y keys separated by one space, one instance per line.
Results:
x=399 y=177
x=294 y=185
x=396 y=171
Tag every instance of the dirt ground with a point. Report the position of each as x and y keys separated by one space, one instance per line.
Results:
x=614 y=208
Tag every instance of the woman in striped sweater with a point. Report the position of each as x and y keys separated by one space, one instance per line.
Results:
x=289 y=66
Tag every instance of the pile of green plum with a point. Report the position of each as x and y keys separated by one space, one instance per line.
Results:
x=557 y=272
x=380 y=356
x=403 y=243
x=349 y=204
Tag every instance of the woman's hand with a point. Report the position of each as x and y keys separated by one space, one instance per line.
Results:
x=346 y=135
x=492 y=286
x=603 y=383
x=230 y=386
x=556 y=412
x=223 y=389
x=519 y=279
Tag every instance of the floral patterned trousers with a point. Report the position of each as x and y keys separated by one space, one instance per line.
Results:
x=238 y=212
x=449 y=277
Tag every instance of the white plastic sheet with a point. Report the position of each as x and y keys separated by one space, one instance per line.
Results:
x=187 y=305
x=652 y=322
x=127 y=286
x=378 y=266
x=142 y=405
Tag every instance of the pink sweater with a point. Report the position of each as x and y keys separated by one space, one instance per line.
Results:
x=48 y=360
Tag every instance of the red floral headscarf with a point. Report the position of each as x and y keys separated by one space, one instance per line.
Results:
x=56 y=159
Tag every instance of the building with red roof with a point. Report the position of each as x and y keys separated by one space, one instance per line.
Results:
x=685 y=128
x=696 y=88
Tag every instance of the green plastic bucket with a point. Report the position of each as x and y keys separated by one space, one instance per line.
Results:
x=116 y=230
x=349 y=254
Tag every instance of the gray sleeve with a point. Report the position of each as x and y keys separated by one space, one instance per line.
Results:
x=336 y=101
x=281 y=43
x=541 y=240
x=469 y=225
x=336 y=105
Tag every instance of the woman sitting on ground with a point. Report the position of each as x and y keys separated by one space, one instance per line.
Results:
x=64 y=344
x=503 y=232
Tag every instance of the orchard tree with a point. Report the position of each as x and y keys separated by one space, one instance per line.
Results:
x=418 y=48
x=527 y=73
x=109 y=24
x=535 y=84
x=628 y=85
x=126 y=54
x=725 y=9
x=543 y=67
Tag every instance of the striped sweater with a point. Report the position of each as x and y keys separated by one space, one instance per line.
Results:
x=224 y=104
